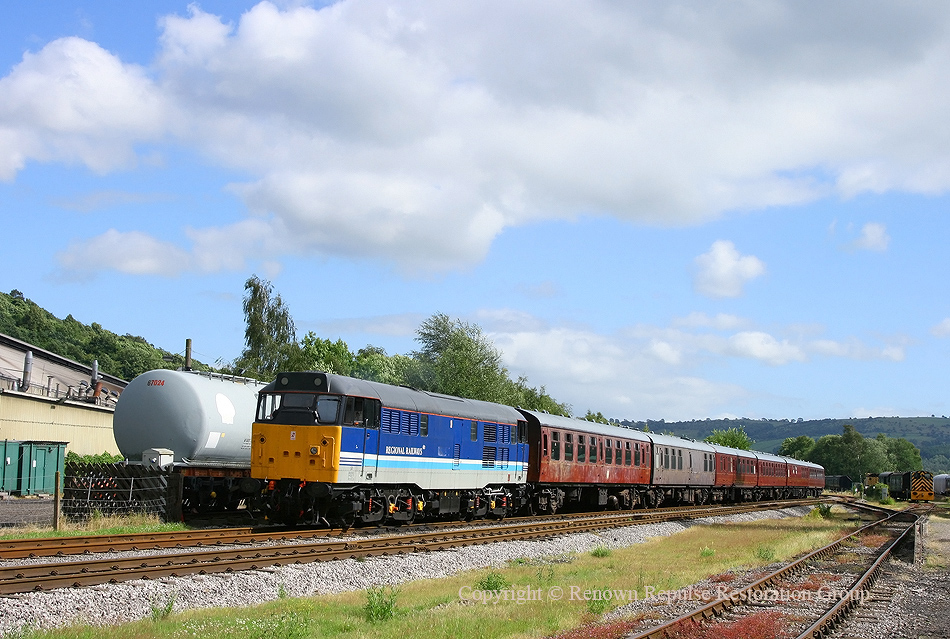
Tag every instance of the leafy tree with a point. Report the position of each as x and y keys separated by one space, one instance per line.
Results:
x=734 y=437
x=456 y=358
x=596 y=417
x=323 y=355
x=901 y=454
x=270 y=336
x=797 y=447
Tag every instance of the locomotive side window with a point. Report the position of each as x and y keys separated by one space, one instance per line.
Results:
x=474 y=431
x=608 y=452
x=556 y=446
x=581 y=449
x=569 y=447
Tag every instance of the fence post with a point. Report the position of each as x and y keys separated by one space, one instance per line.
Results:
x=57 y=501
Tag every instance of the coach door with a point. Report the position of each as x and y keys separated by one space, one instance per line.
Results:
x=371 y=420
x=519 y=436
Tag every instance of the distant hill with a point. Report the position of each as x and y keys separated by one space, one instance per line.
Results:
x=930 y=434
x=123 y=356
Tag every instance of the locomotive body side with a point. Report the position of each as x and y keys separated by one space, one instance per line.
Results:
x=344 y=442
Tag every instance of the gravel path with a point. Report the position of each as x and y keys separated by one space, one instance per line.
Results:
x=118 y=603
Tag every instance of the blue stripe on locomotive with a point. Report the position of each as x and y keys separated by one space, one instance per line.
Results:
x=399 y=444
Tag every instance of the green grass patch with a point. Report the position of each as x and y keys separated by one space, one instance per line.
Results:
x=97 y=524
x=526 y=599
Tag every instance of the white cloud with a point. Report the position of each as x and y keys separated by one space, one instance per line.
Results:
x=942 y=329
x=873 y=237
x=651 y=370
x=721 y=321
x=368 y=130
x=75 y=102
x=131 y=252
x=764 y=347
x=722 y=272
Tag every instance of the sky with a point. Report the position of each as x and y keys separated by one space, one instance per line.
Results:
x=656 y=210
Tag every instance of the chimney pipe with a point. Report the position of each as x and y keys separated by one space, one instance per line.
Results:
x=188 y=354
x=95 y=372
x=27 y=372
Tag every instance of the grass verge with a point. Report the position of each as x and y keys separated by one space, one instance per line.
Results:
x=527 y=599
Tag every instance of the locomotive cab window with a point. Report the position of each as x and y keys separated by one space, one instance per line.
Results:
x=361 y=412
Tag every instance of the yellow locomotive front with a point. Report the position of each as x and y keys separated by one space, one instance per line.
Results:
x=297 y=432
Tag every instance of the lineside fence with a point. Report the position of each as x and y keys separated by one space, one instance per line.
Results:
x=117 y=489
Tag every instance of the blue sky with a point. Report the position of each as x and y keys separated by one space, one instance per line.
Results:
x=669 y=210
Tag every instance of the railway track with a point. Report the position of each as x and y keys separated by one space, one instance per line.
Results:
x=89 y=544
x=266 y=551
x=818 y=602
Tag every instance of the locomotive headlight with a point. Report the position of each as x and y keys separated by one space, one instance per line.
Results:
x=313 y=450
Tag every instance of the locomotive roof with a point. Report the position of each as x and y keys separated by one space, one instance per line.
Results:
x=400 y=397
x=572 y=423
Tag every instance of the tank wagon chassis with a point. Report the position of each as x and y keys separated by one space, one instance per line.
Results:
x=337 y=451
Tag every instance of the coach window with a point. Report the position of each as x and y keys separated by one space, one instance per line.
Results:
x=666 y=458
x=618 y=457
x=555 y=445
x=608 y=452
x=636 y=455
x=544 y=444
x=568 y=447
x=581 y=449
x=592 y=457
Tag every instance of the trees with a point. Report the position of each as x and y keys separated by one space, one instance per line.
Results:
x=733 y=437
x=456 y=358
x=902 y=455
x=270 y=336
x=797 y=447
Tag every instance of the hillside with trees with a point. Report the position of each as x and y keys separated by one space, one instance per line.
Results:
x=122 y=356
x=931 y=435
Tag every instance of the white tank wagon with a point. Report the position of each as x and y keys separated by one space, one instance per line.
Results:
x=940 y=484
x=195 y=424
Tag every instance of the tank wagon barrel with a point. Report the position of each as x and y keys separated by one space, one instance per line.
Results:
x=194 y=424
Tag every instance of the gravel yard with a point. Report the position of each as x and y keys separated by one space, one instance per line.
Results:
x=109 y=604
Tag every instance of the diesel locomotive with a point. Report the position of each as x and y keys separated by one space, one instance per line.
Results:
x=336 y=450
